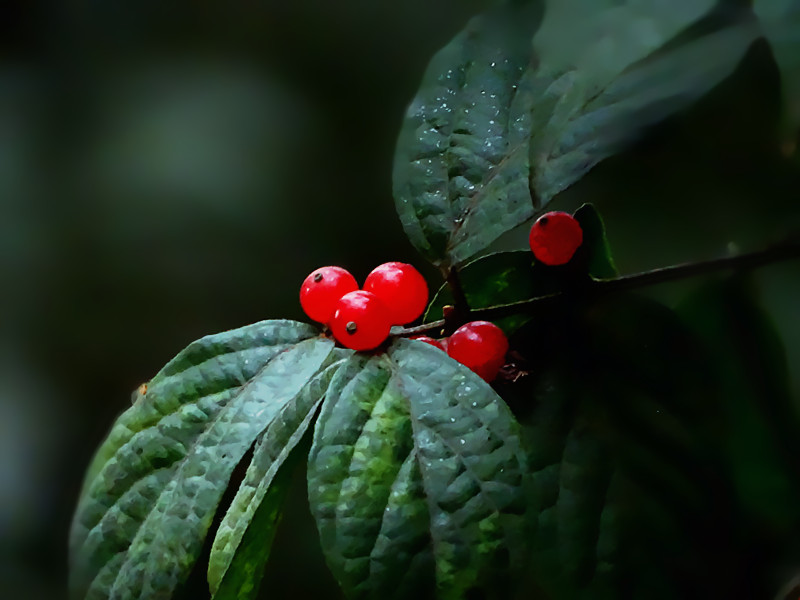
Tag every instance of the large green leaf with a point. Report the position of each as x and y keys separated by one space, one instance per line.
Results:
x=244 y=538
x=627 y=491
x=416 y=478
x=504 y=120
x=759 y=416
x=780 y=23
x=590 y=110
x=461 y=165
x=156 y=481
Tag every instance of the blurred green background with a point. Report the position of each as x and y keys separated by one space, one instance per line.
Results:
x=168 y=171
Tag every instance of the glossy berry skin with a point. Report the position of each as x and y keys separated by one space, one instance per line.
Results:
x=429 y=340
x=322 y=289
x=555 y=237
x=401 y=287
x=481 y=346
x=360 y=321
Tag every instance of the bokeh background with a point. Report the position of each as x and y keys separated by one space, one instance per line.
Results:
x=169 y=170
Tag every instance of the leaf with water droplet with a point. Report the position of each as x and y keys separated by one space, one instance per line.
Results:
x=549 y=104
x=476 y=190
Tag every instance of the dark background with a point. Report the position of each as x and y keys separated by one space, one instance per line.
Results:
x=172 y=171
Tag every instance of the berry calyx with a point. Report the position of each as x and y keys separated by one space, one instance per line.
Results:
x=554 y=238
x=481 y=346
x=402 y=289
x=360 y=321
x=322 y=289
x=429 y=340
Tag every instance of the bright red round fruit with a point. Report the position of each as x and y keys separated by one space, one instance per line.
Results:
x=402 y=289
x=429 y=340
x=481 y=346
x=555 y=237
x=360 y=321
x=322 y=289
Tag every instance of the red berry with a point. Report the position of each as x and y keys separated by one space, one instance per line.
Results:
x=322 y=289
x=481 y=346
x=555 y=237
x=429 y=340
x=402 y=289
x=360 y=321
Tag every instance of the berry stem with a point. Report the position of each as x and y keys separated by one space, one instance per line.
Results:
x=462 y=312
x=786 y=250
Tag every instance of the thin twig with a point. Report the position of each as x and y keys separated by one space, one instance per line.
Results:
x=787 y=250
x=419 y=329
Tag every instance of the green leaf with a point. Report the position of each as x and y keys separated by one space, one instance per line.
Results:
x=615 y=415
x=244 y=538
x=506 y=277
x=244 y=568
x=760 y=420
x=499 y=278
x=606 y=75
x=595 y=252
x=504 y=120
x=780 y=23
x=461 y=165
x=416 y=477
x=155 y=484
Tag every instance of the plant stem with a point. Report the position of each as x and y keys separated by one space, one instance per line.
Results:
x=596 y=288
x=787 y=250
x=461 y=313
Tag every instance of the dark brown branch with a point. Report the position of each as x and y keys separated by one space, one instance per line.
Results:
x=460 y=303
x=787 y=250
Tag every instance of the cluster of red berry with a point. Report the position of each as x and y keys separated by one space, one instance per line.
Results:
x=481 y=345
x=395 y=293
